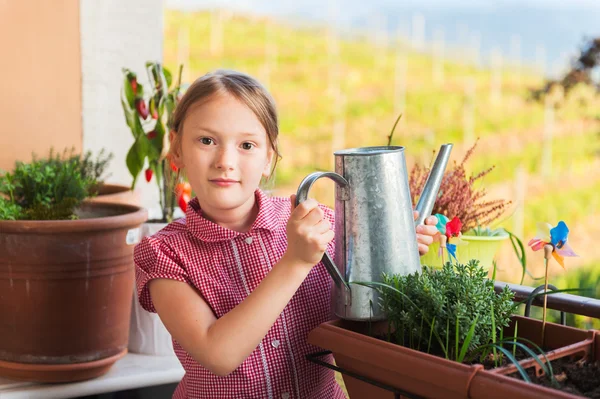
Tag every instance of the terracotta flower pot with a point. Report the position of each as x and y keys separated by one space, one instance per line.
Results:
x=116 y=194
x=426 y=375
x=148 y=335
x=66 y=293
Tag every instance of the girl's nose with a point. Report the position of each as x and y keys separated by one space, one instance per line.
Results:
x=225 y=159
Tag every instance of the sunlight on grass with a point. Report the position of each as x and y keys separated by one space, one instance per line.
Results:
x=317 y=88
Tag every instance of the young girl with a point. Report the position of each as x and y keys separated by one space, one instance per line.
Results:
x=238 y=283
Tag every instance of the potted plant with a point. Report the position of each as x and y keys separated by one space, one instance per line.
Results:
x=148 y=114
x=66 y=273
x=459 y=197
x=448 y=334
x=102 y=191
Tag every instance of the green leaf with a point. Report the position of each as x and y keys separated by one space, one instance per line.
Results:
x=138 y=130
x=546 y=366
x=515 y=335
x=168 y=76
x=135 y=158
x=156 y=145
x=9 y=210
x=140 y=90
x=169 y=104
x=493 y=330
x=467 y=341
x=456 y=337
x=520 y=253
x=127 y=90
x=515 y=362
x=130 y=116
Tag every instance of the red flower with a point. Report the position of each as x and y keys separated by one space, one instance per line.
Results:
x=183 y=201
x=183 y=188
x=140 y=106
x=148 y=175
x=133 y=82
x=453 y=227
x=184 y=194
x=151 y=135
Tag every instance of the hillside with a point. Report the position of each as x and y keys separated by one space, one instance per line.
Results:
x=334 y=93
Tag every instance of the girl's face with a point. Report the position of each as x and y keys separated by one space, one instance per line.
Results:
x=225 y=152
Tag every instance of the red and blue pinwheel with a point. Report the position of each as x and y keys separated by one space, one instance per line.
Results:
x=555 y=236
x=449 y=234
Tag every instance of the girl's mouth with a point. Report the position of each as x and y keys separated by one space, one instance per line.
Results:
x=224 y=182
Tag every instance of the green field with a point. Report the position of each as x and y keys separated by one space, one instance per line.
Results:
x=307 y=80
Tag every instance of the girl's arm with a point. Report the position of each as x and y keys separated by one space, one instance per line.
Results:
x=221 y=345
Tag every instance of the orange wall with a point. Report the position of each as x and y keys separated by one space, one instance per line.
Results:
x=40 y=78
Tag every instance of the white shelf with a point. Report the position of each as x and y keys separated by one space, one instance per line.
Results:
x=132 y=371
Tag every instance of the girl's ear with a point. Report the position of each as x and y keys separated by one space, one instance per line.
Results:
x=175 y=150
x=267 y=170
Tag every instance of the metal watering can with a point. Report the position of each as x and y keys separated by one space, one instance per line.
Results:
x=374 y=223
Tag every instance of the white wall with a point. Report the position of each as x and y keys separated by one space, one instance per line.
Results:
x=116 y=34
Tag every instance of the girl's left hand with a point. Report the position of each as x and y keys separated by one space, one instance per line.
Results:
x=425 y=233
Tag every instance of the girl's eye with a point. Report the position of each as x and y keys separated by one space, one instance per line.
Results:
x=206 y=140
x=247 y=146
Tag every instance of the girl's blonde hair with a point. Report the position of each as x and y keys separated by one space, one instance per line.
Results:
x=241 y=86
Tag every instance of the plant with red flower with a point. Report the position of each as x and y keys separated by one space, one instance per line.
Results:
x=149 y=117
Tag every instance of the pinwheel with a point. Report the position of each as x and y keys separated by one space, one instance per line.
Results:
x=556 y=237
x=554 y=242
x=449 y=235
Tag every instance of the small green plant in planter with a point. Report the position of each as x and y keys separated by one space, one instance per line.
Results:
x=50 y=188
x=450 y=312
x=94 y=167
x=455 y=313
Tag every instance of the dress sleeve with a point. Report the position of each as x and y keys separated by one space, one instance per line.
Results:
x=155 y=259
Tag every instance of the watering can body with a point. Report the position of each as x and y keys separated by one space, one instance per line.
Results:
x=374 y=224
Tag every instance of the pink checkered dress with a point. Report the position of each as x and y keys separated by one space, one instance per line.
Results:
x=226 y=266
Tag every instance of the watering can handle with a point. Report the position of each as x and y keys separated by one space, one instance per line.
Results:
x=301 y=196
x=432 y=186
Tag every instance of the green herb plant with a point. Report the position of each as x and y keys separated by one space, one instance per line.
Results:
x=453 y=312
x=50 y=188
x=454 y=297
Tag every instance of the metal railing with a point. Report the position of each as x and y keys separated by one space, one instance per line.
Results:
x=563 y=302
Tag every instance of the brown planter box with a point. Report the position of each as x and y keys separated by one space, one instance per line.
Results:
x=496 y=385
x=426 y=375
x=65 y=293
x=394 y=365
x=559 y=340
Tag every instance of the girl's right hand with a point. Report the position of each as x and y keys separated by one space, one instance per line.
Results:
x=308 y=232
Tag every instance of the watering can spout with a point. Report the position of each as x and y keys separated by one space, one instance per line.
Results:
x=432 y=186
